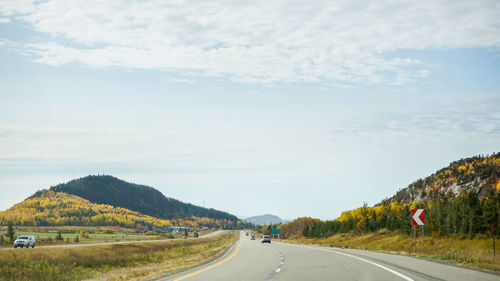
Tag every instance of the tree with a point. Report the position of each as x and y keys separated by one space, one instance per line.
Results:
x=11 y=232
x=305 y=232
x=489 y=216
x=59 y=236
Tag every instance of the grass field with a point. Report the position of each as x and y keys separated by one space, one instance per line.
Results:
x=47 y=235
x=476 y=253
x=134 y=261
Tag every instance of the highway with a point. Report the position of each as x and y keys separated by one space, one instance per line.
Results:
x=111 y=243
x=251 y=260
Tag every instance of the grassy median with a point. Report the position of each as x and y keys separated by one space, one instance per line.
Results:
x=476 y=253
x=111 y=262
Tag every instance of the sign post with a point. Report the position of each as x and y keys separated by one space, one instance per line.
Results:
x=418 y=218
x=493 y=236
x=276 y=231
x=422 y=239
x=415 y=239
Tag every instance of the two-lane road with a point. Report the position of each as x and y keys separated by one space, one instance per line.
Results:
x=250 y=260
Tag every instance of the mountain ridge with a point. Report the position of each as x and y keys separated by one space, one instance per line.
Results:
x=264 y=219
x=472 y=174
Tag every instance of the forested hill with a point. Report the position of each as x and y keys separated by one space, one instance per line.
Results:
x=109 y=190
x=58 y=208
x=462 y=199
x=475 y=174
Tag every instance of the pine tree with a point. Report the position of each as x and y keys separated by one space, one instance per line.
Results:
x=59 y=236
x=11 y=232
x=305 y=232
x=489 y=216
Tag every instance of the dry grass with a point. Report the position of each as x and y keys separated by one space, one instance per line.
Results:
x=476 y=253
x=110 y=262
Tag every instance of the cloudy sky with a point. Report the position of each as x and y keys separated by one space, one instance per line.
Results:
x=295 y=108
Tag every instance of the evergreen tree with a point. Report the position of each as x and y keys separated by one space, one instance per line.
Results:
x=490 y=209
x=305 y=232
x=59 y=236
x=11 y=232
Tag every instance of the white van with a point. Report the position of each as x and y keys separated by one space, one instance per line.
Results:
x=25 y=241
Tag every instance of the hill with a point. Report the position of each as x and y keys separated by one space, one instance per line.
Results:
x=264 y=219
x=58 y=208
x=462 y=199
x=475 y=174
x=140 y=198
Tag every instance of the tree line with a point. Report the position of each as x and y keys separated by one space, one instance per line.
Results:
x=464 y=215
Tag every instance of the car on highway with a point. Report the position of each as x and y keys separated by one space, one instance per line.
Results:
x=25 y=241
x=266 y=239
x=253 y=237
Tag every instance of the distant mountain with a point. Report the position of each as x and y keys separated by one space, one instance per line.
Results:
x=112 y=191
x=474 y=174
x=265 y=219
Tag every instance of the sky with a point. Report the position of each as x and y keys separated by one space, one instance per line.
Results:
x=294 y=108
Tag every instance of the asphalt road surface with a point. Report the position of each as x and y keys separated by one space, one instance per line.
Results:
x=251 y=260
x=112 y=243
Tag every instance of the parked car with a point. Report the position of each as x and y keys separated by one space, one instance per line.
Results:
x=266 y=239
x=25 y=241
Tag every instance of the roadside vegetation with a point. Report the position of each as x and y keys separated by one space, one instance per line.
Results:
x=135 y=261
x=458 y=226
x=476 y=252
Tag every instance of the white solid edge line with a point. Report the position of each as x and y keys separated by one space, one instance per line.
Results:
x=361 y=259
x=375 y=264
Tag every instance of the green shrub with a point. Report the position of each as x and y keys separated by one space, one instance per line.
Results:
x=168 y=235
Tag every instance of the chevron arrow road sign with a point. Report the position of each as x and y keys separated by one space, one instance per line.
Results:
x=418 y=217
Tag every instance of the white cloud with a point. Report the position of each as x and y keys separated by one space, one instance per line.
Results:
x=259 y=41
x=440 y=117
x=4 y=20
x=9 y=7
